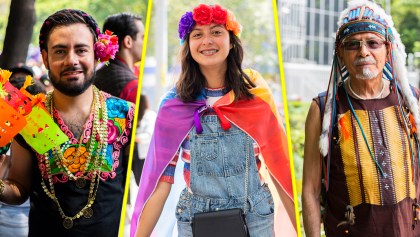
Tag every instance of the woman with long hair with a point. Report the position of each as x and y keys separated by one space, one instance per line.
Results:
x=221 y=121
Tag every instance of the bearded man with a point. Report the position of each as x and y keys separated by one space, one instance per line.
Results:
x=76 y=188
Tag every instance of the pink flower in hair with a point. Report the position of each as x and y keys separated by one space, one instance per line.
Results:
x=106 y=47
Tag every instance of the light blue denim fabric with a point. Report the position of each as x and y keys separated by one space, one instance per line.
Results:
x=217 y=169
x=14 y=220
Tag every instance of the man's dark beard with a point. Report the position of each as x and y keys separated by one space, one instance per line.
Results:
x=72 y=90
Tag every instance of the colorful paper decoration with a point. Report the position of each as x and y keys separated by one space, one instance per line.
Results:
x=42 y=133
x=17 y=99
x=11 y=122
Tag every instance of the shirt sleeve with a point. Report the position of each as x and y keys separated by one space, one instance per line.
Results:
x=169 y=173
x=183 y=152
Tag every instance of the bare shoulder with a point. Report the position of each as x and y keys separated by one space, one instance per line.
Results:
x=312 y=134
x=313 y=119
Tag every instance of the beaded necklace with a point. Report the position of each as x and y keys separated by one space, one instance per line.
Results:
x=99 y=132
x=361 y=98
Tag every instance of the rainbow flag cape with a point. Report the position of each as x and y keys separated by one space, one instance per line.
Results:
x=257 y=117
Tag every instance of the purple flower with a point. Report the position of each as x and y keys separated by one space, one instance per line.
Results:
x=186 y=23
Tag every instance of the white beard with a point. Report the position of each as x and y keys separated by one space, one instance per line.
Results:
x=367 y=74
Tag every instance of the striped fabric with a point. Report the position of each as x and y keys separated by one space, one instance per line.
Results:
x=168 y=174
x=365 y=184
x=258 y=117
x=212 y=95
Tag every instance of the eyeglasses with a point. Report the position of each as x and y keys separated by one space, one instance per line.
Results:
x=357 y=44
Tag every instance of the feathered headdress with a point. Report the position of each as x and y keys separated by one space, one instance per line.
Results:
x=366 y=16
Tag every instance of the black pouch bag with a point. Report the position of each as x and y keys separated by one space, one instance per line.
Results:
x=224 y=223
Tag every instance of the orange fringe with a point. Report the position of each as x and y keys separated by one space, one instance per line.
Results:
x=413 y=124
x=343 y=125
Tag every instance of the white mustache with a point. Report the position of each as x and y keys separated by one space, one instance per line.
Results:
x=364 y=60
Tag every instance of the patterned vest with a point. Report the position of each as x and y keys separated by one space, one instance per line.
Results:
x=382 y=200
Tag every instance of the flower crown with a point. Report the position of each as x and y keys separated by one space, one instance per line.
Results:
x=205 y=15
x=106 y=47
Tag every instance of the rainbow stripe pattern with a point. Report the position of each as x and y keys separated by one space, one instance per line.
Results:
x=257 y=117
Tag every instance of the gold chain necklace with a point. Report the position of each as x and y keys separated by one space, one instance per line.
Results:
x=99 y=132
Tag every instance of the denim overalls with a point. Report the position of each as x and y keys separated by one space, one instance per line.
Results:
x=217 y=169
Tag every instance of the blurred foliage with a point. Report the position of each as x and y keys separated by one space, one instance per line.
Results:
x=4 y=14
x=297 y=117
x=417 y=49
x=405 y=14
x=97 y=8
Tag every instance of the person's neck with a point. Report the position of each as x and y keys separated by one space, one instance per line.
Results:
x=215 y=76
x=79 y=106
x=369 y=88
x=126 y=58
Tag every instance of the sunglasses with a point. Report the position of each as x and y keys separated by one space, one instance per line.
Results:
x=357 y=44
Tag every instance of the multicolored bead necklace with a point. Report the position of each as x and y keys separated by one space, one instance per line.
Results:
x=100 y=133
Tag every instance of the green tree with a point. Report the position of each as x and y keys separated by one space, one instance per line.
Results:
x=18 y=33
x=409 y=29
x=405 y=16
x=4 y=13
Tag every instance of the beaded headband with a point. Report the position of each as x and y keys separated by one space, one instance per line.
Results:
x=205 y=15
x=364 y=19
x=106 y=45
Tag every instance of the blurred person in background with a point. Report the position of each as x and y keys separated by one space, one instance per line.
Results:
x=130 y=31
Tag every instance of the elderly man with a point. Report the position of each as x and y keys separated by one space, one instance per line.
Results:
x=361 y=147
x=76 y=188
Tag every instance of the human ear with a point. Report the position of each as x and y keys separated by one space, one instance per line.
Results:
x=44 y=54
x=127 y=42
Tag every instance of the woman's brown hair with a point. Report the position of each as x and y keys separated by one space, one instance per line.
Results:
x=191 y=81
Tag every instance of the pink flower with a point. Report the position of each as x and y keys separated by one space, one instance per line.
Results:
x=113 y=132
x=106 y=47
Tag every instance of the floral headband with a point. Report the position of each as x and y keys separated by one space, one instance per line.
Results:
x=205 y=15
x=106 y=45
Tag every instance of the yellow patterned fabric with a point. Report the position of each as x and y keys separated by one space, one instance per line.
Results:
x=365 y=184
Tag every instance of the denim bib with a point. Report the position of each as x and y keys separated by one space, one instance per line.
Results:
x=217 y=174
